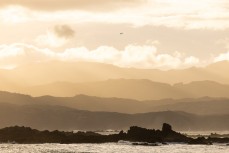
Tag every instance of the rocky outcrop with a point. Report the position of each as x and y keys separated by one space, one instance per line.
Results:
x=150 y=135
x=137 y=135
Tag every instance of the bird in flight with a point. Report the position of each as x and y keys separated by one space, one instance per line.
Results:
x=121 y=33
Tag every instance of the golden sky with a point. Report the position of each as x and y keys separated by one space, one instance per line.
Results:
x=160 y=34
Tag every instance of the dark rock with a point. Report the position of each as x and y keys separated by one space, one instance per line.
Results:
x=200 y=140
x=166 y=128
x=138 y=135
x=219 y=140
x=144 y=135
x=144 y=144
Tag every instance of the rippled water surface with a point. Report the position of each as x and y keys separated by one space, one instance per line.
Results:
x=112 y=148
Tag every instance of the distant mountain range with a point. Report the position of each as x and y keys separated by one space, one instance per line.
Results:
x=94 y=79
x=132 y=89
x=56 y=71
x=202 y=106
x=63 y=118
x=90 y=96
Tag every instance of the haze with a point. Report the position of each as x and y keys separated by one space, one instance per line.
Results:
x=123 y=56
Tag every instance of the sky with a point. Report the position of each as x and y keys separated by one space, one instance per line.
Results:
x=162 y=34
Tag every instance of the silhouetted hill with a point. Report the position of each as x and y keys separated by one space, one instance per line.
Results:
x=203 y=106
x=63 y=118
x=15 y=98
x=196 y=106
x=212 y=106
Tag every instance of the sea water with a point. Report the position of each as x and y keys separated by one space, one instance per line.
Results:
x=112 y=148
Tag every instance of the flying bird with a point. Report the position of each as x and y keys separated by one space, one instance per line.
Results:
x=121 y=33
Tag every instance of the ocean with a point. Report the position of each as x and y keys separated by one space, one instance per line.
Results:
x=112 y=148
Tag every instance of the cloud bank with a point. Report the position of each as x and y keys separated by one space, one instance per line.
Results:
x=56 y=5
x=185 y=14
x=145 y=56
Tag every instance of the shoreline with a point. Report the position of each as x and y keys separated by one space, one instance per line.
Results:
x=136 y=135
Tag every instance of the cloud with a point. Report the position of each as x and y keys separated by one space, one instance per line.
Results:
x=222 y=57
x=64 y=31
x=55 y=5
x=18 y=54
x=56 y=37
x=145 y=56
x=185 y=14
x=191 y=61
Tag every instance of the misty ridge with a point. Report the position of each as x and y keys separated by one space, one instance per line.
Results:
x=139 y=89
x=94 y=113
x=63 y=118
x=95 y=96
x=201 y=106
x=77 y=72
x=65 y=79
